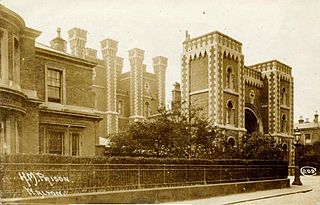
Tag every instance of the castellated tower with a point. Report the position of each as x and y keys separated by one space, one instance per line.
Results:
x=109 y=49
x=160 y=66
x=213 y=78
x=278 y=110
x=136 y=57
x=77 y=40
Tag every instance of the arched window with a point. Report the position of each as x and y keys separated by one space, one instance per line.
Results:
x=147 y=109
x=94 y=100
x=16 y=59
x=120 y=107
x=230 y=113
x=283 y=96
x=283 y=123
x=229 y=79
x=1 y=54
x=285 y=151
x=231 y=142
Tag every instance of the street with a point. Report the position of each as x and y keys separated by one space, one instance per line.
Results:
x=308 y=198
x=288 y=196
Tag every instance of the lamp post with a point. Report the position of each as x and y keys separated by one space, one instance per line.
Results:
x=296 y=180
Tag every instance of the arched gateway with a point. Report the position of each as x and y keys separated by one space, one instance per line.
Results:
x=252 y=121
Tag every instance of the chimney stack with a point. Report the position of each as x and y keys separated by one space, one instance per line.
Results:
x=316 y=120
x=77 y=40
x=300 y=119
x=59 y=43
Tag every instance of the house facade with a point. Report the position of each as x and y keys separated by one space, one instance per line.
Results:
x=310 y=130
x=57 y=102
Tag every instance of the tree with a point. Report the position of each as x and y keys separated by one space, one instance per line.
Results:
x=259 y=146
x=310 y=155
x=181 y=134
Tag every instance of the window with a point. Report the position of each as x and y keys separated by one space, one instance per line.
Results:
x=308 y=138
x=120 y=107
x=94 y=100
x=54 y=82
x=147 y=86
x=1 y=52
x=284 y=124
x=147 y=109
x=229 y=80
x=75 y=144
x=231 y=142
x=16 y=56
x=230 y=113
x=56 y=142
x=284 y=96
x=10 y=57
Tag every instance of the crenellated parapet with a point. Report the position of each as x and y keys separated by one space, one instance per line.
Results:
x=209 y=39
x=253 y=77
x=274 y=65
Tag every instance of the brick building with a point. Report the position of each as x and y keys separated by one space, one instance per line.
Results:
x=235 y=97
x=310 y=130
x=121 y=97
x=56 y=102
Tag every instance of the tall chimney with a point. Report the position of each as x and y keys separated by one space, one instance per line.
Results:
x=315 y=120
x=77 y=40
x=300 y=119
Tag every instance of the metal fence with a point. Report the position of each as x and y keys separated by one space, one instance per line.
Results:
x=42 y=179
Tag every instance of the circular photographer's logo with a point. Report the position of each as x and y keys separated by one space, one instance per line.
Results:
x=308 y=171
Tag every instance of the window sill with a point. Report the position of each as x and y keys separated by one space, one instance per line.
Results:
x=285 y=107
x=231 y=91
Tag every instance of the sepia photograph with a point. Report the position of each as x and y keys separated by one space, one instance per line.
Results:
x=159 y=102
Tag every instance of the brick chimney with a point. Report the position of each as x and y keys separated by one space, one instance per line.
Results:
x=300 y=119
x=78 y=40
x=59 y=43
x=315 y=120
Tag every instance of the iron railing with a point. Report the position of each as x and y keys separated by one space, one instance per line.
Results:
x=42 y=179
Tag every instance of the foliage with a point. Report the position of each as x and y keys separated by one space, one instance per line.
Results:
x=259 y=146
x=180 y=134
x=310 y=155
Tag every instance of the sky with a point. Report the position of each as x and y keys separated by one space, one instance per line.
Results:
x=286 y=30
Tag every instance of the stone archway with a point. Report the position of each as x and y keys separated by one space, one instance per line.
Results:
x=251 y=121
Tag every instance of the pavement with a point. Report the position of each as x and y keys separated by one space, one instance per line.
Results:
x=251 y=196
